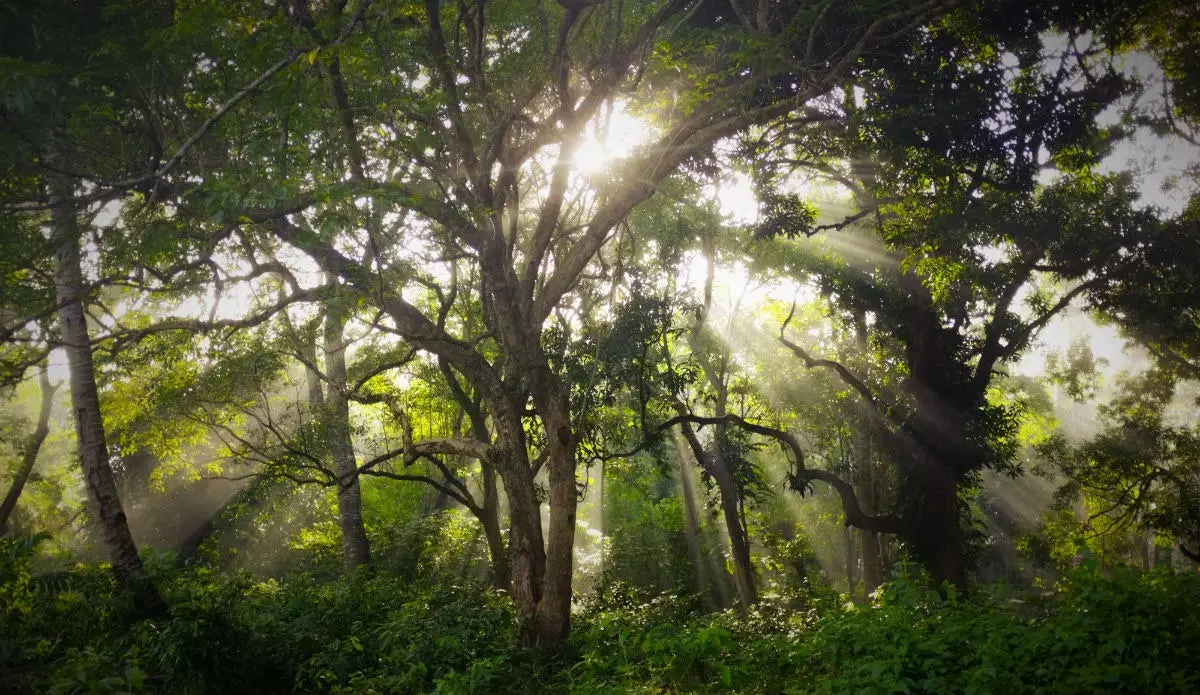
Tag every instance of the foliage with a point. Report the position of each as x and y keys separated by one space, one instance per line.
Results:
x=1140 y=473
x=1124 y=632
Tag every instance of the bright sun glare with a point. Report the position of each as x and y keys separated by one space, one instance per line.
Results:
x=609 y=138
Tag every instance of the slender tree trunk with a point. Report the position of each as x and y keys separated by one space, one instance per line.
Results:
x=85 y=404
x=489 y=518
x=869 y=542
x=30 y=453
x=600 y=500
x=1146 y=549
x=851 y=558
x=691 y=523
x=743 y=571
x=885 y=560
x=739 y=544
x=356 y=550
x=872 y=567
x=716 y=464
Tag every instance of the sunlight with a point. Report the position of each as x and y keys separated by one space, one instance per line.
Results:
x=735 y=198
x=609 y=138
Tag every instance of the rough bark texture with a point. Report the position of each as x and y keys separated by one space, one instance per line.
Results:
x=29 y=454
x=356 y=551
x=488 y=512
x=85 y=405
x=490 y=520
x=554 y=609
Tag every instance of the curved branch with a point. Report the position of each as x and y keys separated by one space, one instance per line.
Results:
x=851 y=507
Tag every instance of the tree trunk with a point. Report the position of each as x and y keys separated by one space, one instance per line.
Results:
x=868 y=542
x=691 y=523
x=525 y=523
x=851 y=558
x=1146 y=549
x=935 y=535
x=739 y=544
x=743 y=571
x=872 y=567
x=29 y=456
x=872 y=574
x=489 y=518
x=600 y=500
x=356 y=550
x=554 y=609
x=85 y=404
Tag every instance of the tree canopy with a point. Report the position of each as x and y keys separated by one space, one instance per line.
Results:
x=586 y=304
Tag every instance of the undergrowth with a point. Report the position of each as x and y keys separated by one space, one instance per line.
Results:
x=1121 y=632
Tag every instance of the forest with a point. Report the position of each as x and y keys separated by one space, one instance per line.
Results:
x=599 y=346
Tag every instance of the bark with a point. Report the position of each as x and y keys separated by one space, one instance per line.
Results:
x=600 y=498
x=1146 y=550
x=872 y=567
x=356 y=550
x=85 y=404
x=934 y=534
x=554 y=609
x=525 y=524
x=30 y=453
x=743 y=574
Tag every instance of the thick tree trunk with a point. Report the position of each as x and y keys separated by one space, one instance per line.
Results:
x=526 y=547
x=85 y=404
x=554 y=609
x=356 y=550
x=934 y=534
x=872 y=575
x=30 y=452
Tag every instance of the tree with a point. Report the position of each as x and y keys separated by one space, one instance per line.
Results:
x=1142 y=472
x=32 y=446
x=938 y=186
x=489 y=120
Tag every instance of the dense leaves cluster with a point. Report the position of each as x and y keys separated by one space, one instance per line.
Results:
x=366 y=634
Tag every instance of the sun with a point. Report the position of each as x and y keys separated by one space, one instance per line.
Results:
x=609 y=138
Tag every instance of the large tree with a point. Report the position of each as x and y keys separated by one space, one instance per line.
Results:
x=468 y=148
x=962 y=252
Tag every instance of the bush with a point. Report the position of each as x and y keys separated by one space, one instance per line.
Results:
x=1120 y=632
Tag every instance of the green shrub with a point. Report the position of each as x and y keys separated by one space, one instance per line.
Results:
x=1119 y=632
